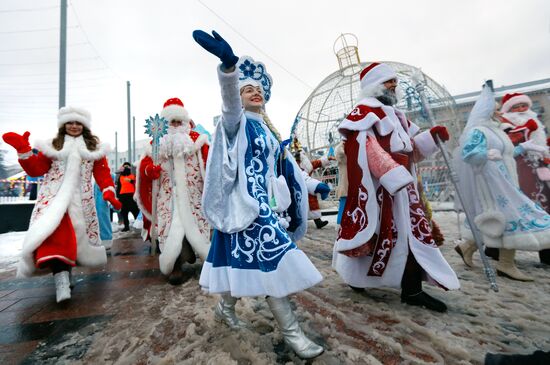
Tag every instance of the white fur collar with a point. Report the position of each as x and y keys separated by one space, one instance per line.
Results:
x=72 y=144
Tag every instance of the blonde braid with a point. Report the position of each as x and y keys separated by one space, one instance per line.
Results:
x=270 y=125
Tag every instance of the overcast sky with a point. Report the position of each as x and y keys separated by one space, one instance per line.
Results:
x=457 y=43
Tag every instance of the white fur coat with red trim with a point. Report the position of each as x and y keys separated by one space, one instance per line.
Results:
x=178 y=203
x=67 y=187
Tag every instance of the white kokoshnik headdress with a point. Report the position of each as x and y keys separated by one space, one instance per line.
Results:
x=254 y=73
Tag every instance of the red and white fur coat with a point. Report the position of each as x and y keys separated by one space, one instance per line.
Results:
x=67 y=188
x=179 y=214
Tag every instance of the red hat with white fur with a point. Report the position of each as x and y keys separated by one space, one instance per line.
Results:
x=509 y=100
x=173 y=110
x=376 y=74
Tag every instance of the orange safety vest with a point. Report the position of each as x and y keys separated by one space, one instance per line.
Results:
x=126 y=185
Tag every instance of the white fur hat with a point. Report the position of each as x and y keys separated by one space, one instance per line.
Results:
x=74 y=114
x=173 y=110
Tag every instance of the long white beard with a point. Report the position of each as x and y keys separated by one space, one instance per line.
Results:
x=538 y=136
x=176 y=143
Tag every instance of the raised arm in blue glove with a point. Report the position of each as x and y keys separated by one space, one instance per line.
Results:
x=216 y=45
x=322 y=189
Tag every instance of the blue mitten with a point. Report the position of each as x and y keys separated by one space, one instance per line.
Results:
x=322 y=189
x=216 y=45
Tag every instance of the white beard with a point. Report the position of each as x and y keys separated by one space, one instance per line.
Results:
x=176 y=143
x=538 y=136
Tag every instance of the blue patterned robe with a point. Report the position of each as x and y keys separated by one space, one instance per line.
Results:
x=251 y=254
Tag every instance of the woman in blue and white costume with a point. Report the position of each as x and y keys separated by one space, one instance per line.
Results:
x=506 y=218
x=251 y=186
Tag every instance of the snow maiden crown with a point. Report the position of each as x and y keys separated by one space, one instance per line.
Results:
x=254 y=73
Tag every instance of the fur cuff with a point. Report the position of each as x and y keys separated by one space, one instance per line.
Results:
x=109 y=188
x=24 y=156
x=396 y=179
x=491 y=223
x=425 y=143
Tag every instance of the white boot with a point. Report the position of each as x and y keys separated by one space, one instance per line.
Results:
x=62 y=286
x=507 y=267
x=292 y=333
x=466 y=250
x=225 y=312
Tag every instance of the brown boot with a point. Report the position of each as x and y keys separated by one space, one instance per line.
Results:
x=466 y=250
x=506 y=266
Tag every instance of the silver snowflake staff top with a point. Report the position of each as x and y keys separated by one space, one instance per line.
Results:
x=156 y=127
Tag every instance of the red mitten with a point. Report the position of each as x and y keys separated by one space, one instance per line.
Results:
x=109 y=196
x=531 y=125
x=441 y=132
x=546 y=161
x=153 y=171
x=20 y=143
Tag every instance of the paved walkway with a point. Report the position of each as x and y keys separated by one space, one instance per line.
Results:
x=29 y=315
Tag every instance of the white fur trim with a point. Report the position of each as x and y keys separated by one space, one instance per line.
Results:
x=24 y=156
x=396 y=179
x=111 y=188
x=48 y=150
x=74 y=114
x=175 y=112
x=184 y=223
x=515 y=100
x=425 y=143
x=491 y=223
x=294 y=273
x=372 y=205
x=201 y=141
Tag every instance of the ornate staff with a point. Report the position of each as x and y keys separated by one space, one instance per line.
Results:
x=155 y=127
x=420 y=80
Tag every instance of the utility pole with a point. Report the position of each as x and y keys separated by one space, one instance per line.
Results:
x=63 y=53
x=129 y=123
x=134 y=139
x=115 y=167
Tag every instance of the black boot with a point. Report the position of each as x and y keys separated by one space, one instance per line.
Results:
x=536 y=358
x=187 y=253
x=544 y=256
x=422 y=299
x=357 y=289
x=491 y=252
x=411 y=288
x=176 y=276
x=319 y=223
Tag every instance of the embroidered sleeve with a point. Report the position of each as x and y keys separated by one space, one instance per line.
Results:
x=35 y=165
x=102 y=175
x=475 y=149
x=392 y=176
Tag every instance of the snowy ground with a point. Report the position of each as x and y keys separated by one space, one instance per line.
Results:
x=175 y=325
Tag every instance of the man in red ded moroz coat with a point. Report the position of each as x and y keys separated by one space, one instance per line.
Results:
x=385 y=239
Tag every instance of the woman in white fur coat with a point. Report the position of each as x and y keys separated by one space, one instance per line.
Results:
x=64 y=229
